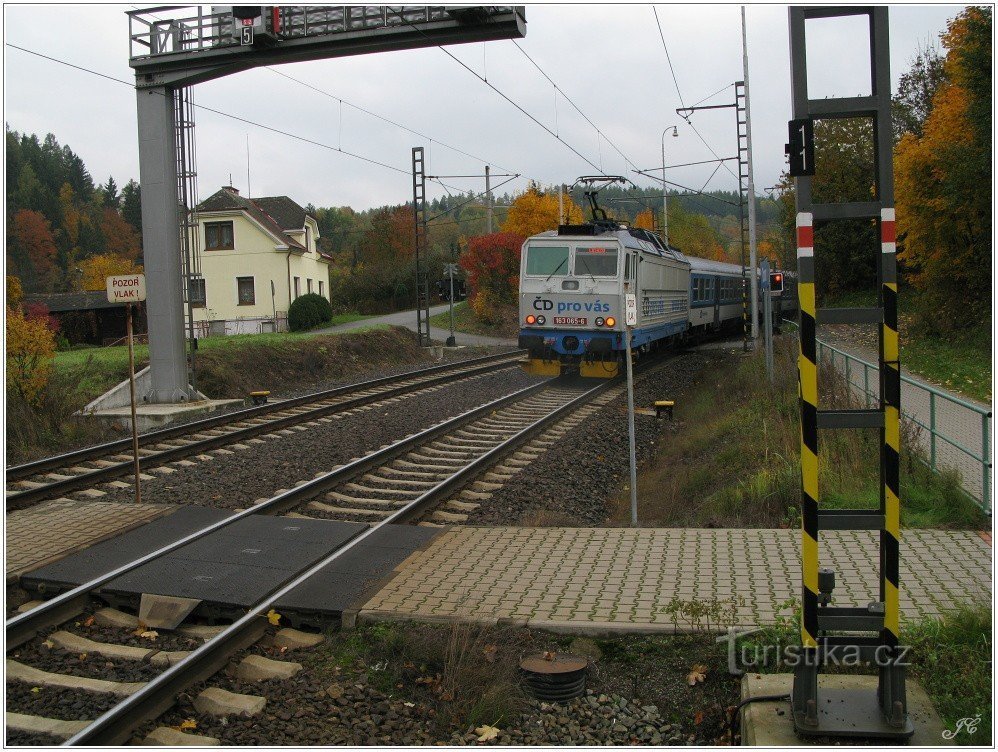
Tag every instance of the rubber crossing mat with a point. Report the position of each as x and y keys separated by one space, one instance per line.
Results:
x=110 y=554
x=237 y=566
x=352 y=579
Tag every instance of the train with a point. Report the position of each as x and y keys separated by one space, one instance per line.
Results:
x=573 y=283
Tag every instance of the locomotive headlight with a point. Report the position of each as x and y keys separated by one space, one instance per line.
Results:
x=599 y=321
x=531 y=319
x=611 y=321
x=541 y=320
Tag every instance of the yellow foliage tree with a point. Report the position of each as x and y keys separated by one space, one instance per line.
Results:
x=97 y=268
x=30 y=351
x=645 y=219
x=15 y=293
x=533 y=211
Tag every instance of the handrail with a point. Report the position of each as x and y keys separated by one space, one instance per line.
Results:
x=914 y=382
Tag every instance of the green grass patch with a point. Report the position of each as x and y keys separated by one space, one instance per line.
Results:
x=465 y=321
x=958 y=361
x=735 y=459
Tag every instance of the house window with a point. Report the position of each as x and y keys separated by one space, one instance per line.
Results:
x=323 y=294
x=247 y=292
x=195 y=292
x=218 y=236
x=308 y=284
x=297 y=287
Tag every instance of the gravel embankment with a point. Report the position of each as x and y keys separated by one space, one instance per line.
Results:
x=572 y=482
x=231 y=481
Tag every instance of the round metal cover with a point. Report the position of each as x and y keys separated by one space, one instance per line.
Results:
x=562 y=663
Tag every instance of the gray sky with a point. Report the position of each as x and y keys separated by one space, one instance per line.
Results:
x=608 y=59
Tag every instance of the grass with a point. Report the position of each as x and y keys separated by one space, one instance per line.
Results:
x=958 y=361
x=735 y=460
x=466 y=321
x=950 y=657
x=100 y=368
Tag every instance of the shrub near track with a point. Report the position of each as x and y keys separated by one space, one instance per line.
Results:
x=734 y=460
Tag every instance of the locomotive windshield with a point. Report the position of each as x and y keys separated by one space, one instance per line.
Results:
x=595 y=262
x=547 y=261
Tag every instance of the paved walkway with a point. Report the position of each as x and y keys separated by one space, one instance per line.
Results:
x=408 y=320
x=622 y=578
x=954 y=423
x=53 y=529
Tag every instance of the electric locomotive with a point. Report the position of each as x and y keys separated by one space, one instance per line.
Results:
x=573 y=283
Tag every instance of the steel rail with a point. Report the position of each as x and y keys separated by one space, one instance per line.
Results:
x=24 y=627
x=98 y=475
x=17 y=472
x=115 y=725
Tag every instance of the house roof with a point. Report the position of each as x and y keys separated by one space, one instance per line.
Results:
x=227 y=199
x=72 y=301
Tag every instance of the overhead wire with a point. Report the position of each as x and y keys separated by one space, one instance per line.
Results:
x=561 y=91
x=680 y=93
x=229 y=115
x=494 y=88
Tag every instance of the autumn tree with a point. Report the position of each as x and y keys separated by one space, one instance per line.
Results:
x=31 y=250
x=645 y=219
x=120 y=238
x=693 y=235
x=97 y=269
x=30 y=351
x=15 y=294
x=492 y=263
x=943 y=185
x=533 y=212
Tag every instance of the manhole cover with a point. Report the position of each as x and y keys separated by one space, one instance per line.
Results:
x=555 y=676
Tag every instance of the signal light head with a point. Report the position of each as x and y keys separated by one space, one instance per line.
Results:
x=611 y=321
x=531 y=319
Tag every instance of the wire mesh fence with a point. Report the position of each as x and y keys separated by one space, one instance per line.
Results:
x=954 y=434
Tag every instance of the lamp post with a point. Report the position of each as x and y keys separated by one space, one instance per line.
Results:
x=665 y=191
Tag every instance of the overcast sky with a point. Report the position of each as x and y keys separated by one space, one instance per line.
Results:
x=608 y=59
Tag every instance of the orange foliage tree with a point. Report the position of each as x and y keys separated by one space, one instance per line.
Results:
x=534 y=211
x=492 y=263
x=30 y=351
x=31 y=250
x=645 y=219
x=120 y=238
x=943 y=185
x=97 y=269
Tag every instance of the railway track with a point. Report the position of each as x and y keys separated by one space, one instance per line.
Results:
x=401 y=483
x=53 y=476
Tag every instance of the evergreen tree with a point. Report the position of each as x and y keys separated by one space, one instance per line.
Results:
x=131 y=205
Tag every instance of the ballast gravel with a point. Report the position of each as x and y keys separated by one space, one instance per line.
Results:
x=572 y=482
x=235 y=480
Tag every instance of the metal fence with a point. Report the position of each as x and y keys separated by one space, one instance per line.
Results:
x=954 y=433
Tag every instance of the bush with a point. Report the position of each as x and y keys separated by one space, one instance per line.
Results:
x=30 y=350
x=309 y=311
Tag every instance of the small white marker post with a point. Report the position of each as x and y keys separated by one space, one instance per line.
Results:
x=630 y=321
x=130 y=289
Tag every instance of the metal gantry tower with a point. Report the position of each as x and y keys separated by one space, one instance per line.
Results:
x=420 y=245
x=741 y=123
x=871 y=631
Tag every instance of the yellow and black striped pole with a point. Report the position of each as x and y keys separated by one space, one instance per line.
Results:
x=807 y=372
x=890 y=370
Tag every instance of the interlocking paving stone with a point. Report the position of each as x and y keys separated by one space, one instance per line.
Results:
x=53 y=529
x=628 y=577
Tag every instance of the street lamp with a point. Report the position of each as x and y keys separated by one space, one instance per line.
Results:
x=665 y=191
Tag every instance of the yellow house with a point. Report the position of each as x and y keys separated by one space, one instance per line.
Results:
x=257 y=255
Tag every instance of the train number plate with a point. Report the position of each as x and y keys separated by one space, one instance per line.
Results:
x=570 y=320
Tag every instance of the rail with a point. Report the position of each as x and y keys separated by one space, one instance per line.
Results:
x=923 y=405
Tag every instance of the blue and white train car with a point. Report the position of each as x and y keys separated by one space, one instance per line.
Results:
x=572 y=287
